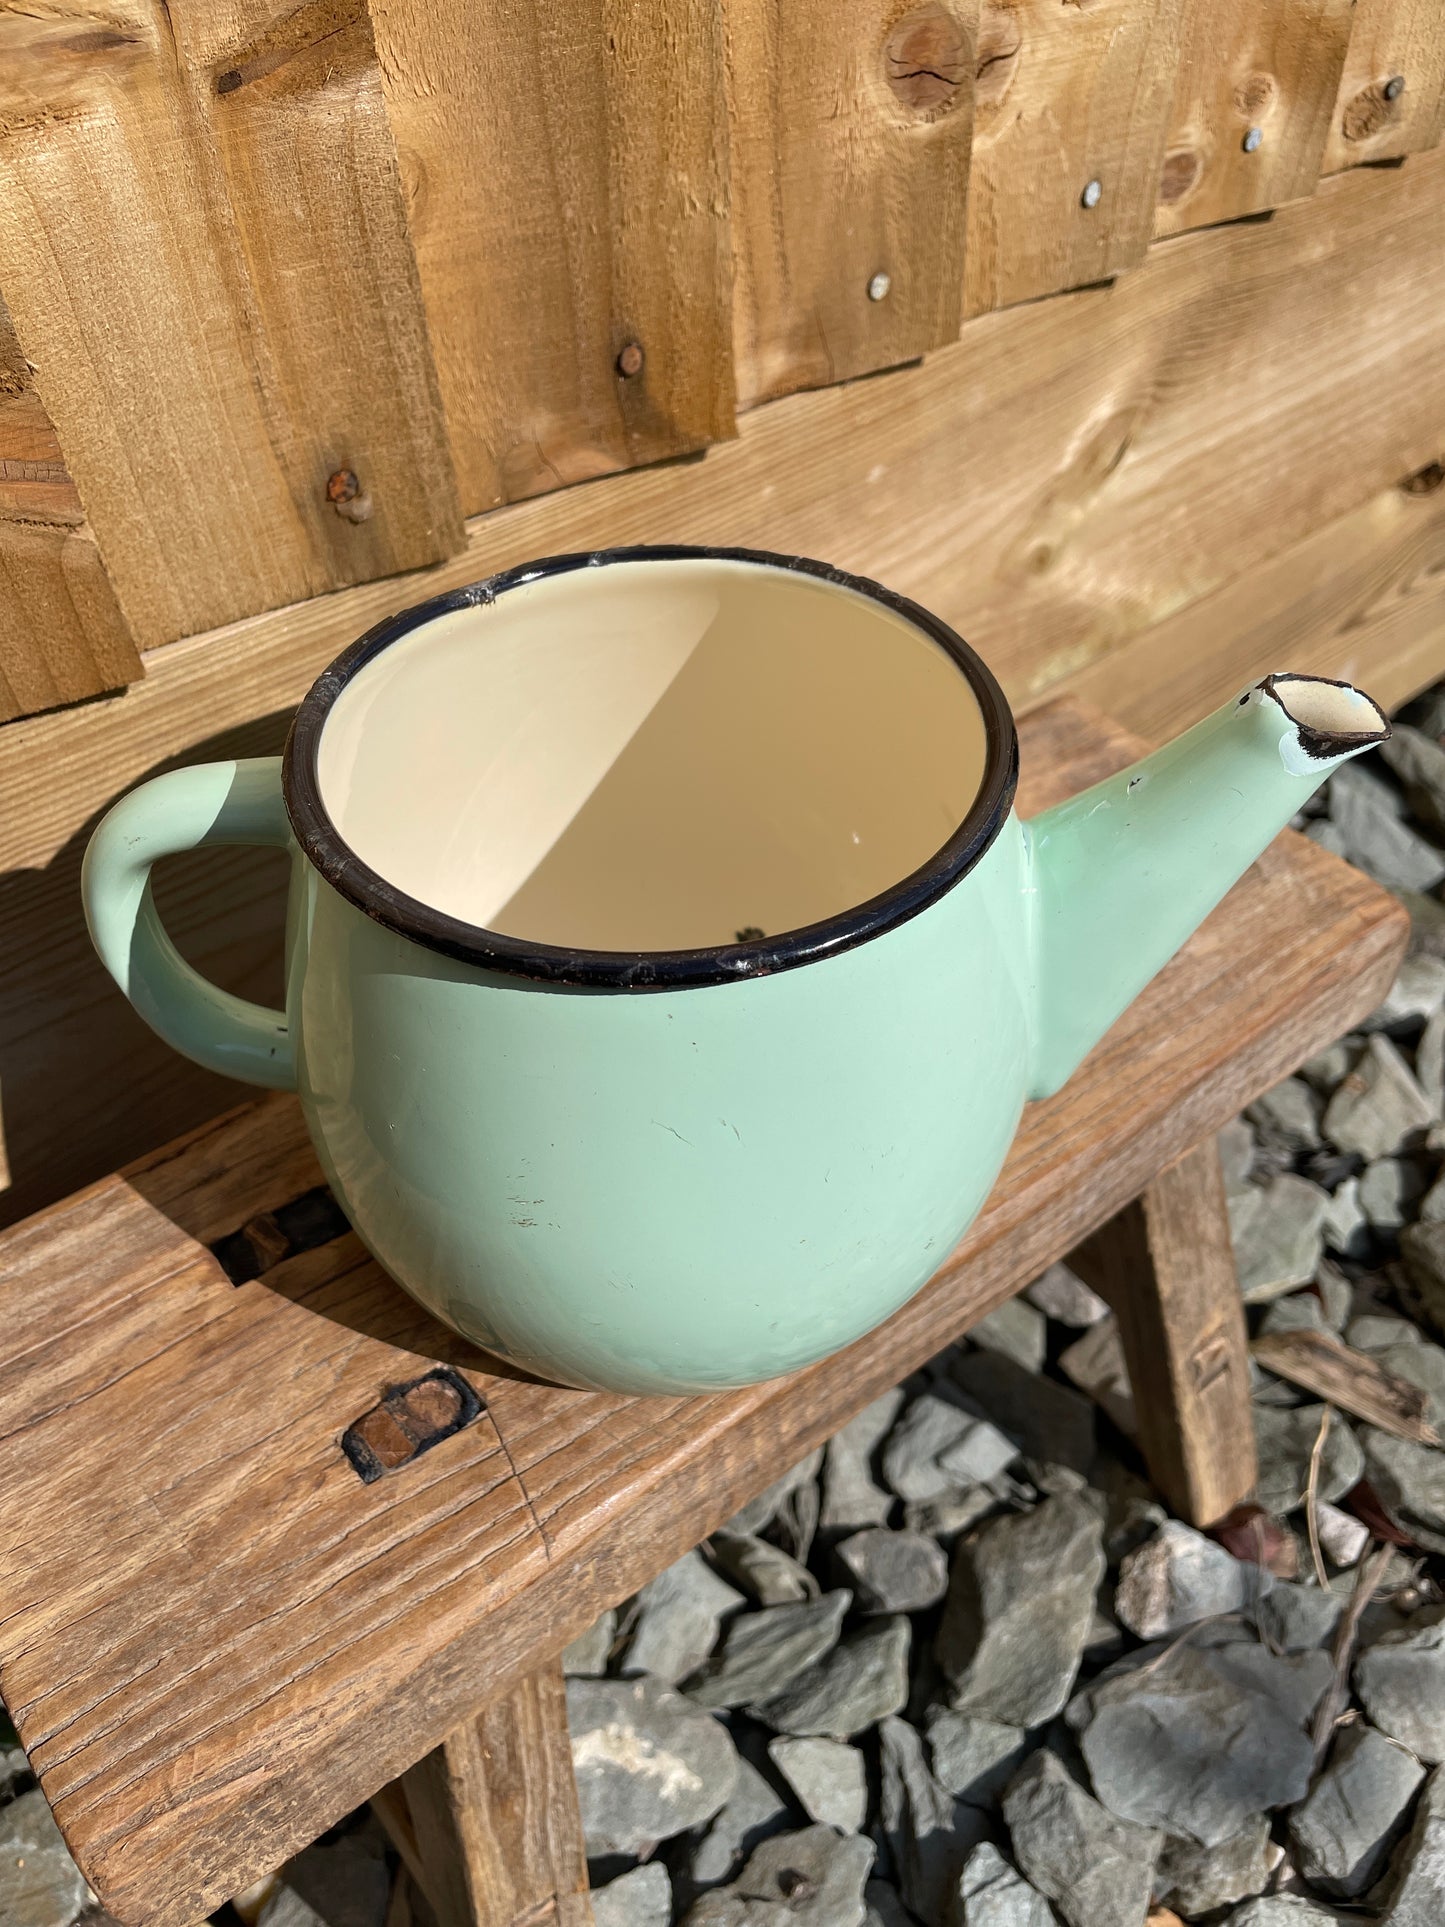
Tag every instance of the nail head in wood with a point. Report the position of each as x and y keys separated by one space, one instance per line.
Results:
x=1394 y=87
x=878 y=287
x=1093 y=193
x=629 y=362
x=1254 y=140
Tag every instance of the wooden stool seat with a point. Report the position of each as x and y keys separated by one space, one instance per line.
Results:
x=268 y=1543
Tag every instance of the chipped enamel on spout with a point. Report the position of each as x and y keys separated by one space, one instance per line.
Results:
x=1122 y=874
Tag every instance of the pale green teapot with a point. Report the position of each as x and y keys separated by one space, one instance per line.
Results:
x=667 y=969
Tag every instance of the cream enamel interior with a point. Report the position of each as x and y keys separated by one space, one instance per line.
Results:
x=1333 y=709
x=654 y=755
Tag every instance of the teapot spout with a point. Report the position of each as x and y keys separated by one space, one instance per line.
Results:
x=1122 y=874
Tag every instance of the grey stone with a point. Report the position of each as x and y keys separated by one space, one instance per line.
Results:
x=810 y=1879
x=851 y=1498
x=1342 y=1834
x=1400 y=1680
x=586 y=1657
x=1266 y=1389
x=828 y=1778
x=1411 y=1356
x=1427 y=923
x=1390 y=1190
x=1062 y=1295
x=1236 y=1153
x=977 y=1455
x=1095 y=1363
x=1300 y=1311
x=1132 y=1518
x=1286 y=1439
x=641 y=1898
x=1020 y=1603
x=772 y=1576
x=1295 y=1618
x=894 y=1572
x=991 y=1893
x=973 y=1758
x=1182 y=1746
x=1418 y=761
x=1282 y=1910
x=1342 y=1537
x=1096 y=1869
x=753 y=1811
x=1197 y=1880
x=862 y=1680
x=40 y=1885
x=648 y=1762
x=768 y=1505
x=1432 y=1205
x=1324 y=1070
x=1289 y=1114
x=1296 y=1682
x=883 y=1908
x=763 y=1652
x=1105 y=1641
x=282 y=1907
x=1178 y=1577
x=1416 y=1896
x=1017 y=1330
x=1378 y=1105
x=1337 y=1294
x=345 y=1877
x=1280 y=1245
x=1430 y=1060
x=1367 y=814
x=927 y=1428
x=1422 y=1246
x=1050 y=1422
x=679 y=1617
x=1329 y=836
x=1416 y=994
x=928 y=1837
x=1243 y=1207
x=1346 y=1228
x=952 y=1513
x=1409 y=1481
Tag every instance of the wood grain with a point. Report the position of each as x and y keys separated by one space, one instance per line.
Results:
x=215 y=1639
x=1065 y=95
x=1320 y=1363
x=62 y=633
x=1392 y=91
x=494 y=1811
x=1271 y=66
x=1166 y=1265
x=213 y=283
x=851 y=126
x=1061 y=486
x=566 y=165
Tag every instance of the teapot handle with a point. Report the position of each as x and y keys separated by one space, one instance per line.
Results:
x=184 y=810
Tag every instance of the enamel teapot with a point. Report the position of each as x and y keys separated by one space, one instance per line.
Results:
x=666 y=967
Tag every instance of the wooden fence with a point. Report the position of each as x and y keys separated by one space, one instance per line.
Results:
x=311 y=313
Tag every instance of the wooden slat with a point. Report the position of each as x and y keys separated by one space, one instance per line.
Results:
x=1066 y=95
x=1392 y=91
x=1252 y=107
x=495 y=1818
x=1060 y=485
x=214 y=285
x=851 y=131
x=215 y=1639
x=1361 y=599
x=566 y=164
x=1166 y=1265
x=62 y=634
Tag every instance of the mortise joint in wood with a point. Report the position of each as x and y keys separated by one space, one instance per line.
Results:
x=315 y=1218
x=408 y=1421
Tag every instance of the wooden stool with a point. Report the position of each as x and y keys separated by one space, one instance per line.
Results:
x=273 y=1545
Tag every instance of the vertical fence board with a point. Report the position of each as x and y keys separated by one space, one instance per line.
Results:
x=1256 y=89
x=852 y=124
x=1392 y=92
x=566 y=163
x=62 y=634
x=152 y=305
x=1067 y=95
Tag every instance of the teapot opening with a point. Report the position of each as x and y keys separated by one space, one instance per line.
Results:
x=737 y=758
x=1332 y=717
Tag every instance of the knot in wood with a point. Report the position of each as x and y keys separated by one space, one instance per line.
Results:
x=342 y=486
x=1255 y=95
x=927 y=59
x=1180 y=175
x=1425 y=480
x=629 y=362
x=1369 y=112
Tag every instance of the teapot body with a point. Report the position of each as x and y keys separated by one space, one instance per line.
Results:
x=666 y=1190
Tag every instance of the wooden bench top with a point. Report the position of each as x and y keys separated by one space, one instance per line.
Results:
x=216 y=1637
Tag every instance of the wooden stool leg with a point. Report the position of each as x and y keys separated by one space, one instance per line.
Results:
x=1166 y=1266
x=488 y=1825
